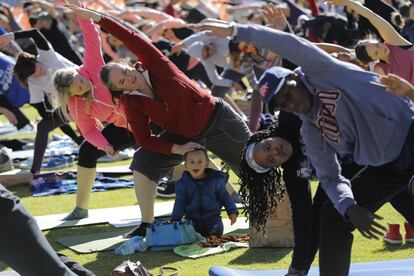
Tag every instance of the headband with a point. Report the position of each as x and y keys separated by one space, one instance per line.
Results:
x=251 y=162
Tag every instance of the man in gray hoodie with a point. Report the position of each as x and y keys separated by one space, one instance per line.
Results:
x=344 y=110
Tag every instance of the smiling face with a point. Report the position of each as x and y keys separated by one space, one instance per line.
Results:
x=293 y=96
x=196 y=163
x=124 y=77
x=377 y=50
x=272 y=152
x=80 y=86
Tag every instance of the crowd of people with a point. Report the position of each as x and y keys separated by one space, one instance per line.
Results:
x=336 y=78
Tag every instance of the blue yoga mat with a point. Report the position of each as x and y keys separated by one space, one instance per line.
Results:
x=52 y=186
x=404 y=267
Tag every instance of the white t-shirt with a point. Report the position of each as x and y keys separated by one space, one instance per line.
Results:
x=39 y=86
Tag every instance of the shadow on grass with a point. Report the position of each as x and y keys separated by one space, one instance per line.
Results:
x=3 y=266
x=21 y=191
x=261 y=255
x=394 y=248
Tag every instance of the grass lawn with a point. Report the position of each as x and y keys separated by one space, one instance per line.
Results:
x=102 y=263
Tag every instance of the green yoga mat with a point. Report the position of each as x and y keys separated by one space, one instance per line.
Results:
x=93 y=242
x=195 y=250
x=109 y=240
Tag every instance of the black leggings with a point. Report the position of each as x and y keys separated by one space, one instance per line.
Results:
x=50 y=121
x=120 y=138
x=22 y=120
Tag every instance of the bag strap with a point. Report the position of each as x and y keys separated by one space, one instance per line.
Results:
x=173 y=270
x=142 y=271
x=131 y=266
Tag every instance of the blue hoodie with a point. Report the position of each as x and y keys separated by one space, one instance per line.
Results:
x=202 y=199
x=351 y=113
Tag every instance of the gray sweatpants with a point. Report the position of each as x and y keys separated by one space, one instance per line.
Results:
x=225 y=135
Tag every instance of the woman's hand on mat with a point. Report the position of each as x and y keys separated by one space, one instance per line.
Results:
x=219 y=29
x=5 y=39
x=364 y=221
x=233 y=218
x=275 y=16
x=397 y=85
x=85 y=13
x=182 y=149
x=109 y=150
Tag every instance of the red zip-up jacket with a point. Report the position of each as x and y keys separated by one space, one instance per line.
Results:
x=184 y=109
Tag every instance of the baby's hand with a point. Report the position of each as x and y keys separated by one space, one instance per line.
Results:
x=233 y=218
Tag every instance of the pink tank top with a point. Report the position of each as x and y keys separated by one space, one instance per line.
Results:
x=401 y=63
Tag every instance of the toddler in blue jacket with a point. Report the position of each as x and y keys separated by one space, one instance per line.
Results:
x=200 y=194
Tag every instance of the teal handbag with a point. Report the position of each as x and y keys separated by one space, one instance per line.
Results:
x=164 y=233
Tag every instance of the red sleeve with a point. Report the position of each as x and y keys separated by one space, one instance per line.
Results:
x=314 y=7
x=169 y=9
x=139 y=123
x=147 y=53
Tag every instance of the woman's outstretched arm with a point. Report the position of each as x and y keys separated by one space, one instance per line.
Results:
x=386 y=30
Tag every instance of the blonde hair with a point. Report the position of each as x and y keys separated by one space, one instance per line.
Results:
x=62 y=80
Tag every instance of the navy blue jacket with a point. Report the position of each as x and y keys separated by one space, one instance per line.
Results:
x=202 y=199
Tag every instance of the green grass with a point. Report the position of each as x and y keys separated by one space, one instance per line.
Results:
x=102 y=263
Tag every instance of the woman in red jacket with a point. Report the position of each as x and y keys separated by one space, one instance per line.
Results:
x=157 y=91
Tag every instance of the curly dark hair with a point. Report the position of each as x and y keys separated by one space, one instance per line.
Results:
x=261 y=192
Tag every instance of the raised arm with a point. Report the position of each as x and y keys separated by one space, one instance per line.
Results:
x=15 y=26
x=297 y=50
x=386 y=30
x=328 y=170
x=39 y=39
x=333 y=48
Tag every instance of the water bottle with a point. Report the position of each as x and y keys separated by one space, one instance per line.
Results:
x=139 y=243
x=126 y=248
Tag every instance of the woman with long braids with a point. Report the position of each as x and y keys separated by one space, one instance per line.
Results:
x=262 y=185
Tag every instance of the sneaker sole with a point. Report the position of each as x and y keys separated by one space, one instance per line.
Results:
x=393 y=242
x=164 y=195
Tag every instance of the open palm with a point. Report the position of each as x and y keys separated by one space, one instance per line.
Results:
x=275 y=16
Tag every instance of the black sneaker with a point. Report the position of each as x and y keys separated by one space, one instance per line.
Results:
x=166 y=189
x=140 y=230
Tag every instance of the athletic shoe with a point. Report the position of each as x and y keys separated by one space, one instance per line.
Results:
x=166 y=189
x=5 y=160
x=294 y=272
x=393 y=235
x=140 y=230
x=77 y=213
x=26 y=164
x=409 y=233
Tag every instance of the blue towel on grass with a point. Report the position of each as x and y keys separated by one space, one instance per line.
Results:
x=53 y=186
